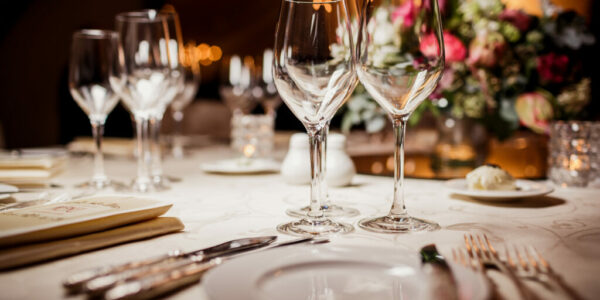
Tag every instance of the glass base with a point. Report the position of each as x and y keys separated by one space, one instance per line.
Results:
x=160 y=182
x=99 y=184
x=329 y=211
x=403 y=224
x=315 y=228
x=141 y=186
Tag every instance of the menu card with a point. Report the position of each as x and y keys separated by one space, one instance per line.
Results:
x=75 y=217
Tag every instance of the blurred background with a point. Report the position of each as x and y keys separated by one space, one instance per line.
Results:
x=37 y=110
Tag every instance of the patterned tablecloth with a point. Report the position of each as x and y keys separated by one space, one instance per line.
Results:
x=564 y=226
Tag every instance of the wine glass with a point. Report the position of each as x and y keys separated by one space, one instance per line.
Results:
x=143 y=79
x=237 y=84
x=191 y=76
x=94 y=55
x=400 y=59
x=174 y=49
x=314 y=73
x=264 y=90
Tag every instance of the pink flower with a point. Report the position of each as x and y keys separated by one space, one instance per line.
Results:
x=486 y=49
x=454 y=49
x=518 y=18
x=406 y=12
x=534 y=111
x=552 y=67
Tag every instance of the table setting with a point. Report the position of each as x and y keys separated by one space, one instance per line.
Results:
x=258 y=218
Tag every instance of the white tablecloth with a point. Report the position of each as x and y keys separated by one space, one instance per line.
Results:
x=564 y=227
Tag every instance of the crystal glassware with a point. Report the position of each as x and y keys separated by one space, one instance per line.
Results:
x=314 y=73
x=264 y=90
x=400 y=59
x=94 y=55
x=191 y=81
x=236 y=84
x=143 y=79
x=174 y=50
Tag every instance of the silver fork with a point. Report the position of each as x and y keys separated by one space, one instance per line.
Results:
x=488 y=256
x=533 y=265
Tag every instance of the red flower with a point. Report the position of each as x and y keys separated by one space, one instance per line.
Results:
x=552 y=67
x=454 y=49
x=406 y=12
x=517 y=18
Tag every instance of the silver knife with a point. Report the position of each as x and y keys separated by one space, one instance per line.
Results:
x=443 y=284
x=78 y=281
x=170 y=279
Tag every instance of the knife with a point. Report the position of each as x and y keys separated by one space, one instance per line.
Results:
x=167 y=280
x=443 y=284
x=106 y=277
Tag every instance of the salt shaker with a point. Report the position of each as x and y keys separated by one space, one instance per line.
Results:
x=296 y=165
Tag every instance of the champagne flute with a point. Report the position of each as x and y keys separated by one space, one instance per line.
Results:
x=94 y=55
x=400 y=54
x=174 y=49
x=143 y=79
x=191 y=77
x=314 y=73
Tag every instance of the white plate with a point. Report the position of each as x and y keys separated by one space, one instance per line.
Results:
x=8 y=189
x=241 y=166
x=331 y=272
x=525 y=189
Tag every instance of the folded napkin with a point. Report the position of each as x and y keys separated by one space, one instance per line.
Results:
x=110 y=146
x=30 y=168
x=38 y=252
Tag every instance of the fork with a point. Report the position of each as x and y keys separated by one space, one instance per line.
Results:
x=533 y=265
x=488 y=257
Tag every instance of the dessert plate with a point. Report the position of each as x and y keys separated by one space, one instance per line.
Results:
x=241 y=166
x=525 y=189
x=332 y=272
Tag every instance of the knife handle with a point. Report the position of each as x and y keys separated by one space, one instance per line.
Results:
x=162 y=282
x=76 y=282
x=101 y=284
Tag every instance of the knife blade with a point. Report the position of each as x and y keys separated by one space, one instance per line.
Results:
x=106 y=276
x=443 y=284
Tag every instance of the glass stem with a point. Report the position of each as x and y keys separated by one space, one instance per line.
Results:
x=398 y=209
x=142 y=137
x=316 y=136
x=324 y=187
x=98 y=132
x=178 y=118
x=156 y=163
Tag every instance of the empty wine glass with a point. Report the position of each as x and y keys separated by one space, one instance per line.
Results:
x=314 y=74
x=174 y=49
x=94 y=55
x=264 y=89
x=191 y=76
x=400 y=54
x=237 y=84
x=144 y=77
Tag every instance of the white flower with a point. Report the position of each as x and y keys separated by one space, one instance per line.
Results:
x=384 y=34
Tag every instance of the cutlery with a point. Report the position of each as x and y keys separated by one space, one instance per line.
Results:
x=173 y=278
x=533 y=265
x=487 y=255
x=111 y=274
x=443 y=282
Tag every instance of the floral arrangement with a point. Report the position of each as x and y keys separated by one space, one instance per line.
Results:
x=504 y=68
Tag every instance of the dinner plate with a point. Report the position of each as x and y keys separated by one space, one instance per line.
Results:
x=241 y=166
x=332 y=272
x=8 y=189
x=525 y=189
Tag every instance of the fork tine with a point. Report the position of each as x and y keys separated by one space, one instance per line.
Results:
x=468 y=245
x=520 y=259
x=541 y=259
x=484 y=250
x=509 y=259
x=472 y=240
x=487 y=241
x=532 y=260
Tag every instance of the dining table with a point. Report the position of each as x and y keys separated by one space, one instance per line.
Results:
x=564 y=226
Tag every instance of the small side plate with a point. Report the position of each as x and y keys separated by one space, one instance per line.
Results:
x=240 y=166
x=525 y=189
